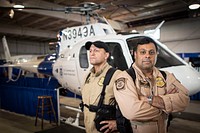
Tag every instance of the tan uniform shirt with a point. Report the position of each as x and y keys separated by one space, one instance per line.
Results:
x=91 y=93
x=144 y=117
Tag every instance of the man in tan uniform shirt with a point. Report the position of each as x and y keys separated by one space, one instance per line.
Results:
x=92 y=88
x=148 y=101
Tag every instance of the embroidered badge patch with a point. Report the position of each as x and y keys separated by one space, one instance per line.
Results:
x=100 y=83
x=120 y=83
x=160 y=82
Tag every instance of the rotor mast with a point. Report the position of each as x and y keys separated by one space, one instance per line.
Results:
x=87 y=9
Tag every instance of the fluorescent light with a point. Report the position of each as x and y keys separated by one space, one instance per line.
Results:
x=194 y=6
x=19 y=6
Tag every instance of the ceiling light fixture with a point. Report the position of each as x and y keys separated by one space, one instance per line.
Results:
x=19 y=5
x=194 y=6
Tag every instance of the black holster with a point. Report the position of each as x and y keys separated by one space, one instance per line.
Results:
x=106 y=112
x=123 y=124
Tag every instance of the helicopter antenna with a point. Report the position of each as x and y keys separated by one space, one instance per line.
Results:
x=87 y=9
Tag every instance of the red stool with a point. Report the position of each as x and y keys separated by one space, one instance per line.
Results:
x=45 y=105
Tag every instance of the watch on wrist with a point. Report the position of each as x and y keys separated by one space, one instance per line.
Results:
x=150 y=99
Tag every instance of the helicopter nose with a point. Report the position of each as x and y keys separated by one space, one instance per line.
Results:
x=45 y=67
x=188 y=76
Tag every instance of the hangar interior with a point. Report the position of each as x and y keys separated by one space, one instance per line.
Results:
x=35 y=29
x=31 y=31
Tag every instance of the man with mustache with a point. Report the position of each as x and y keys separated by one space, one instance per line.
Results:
x=148 y=100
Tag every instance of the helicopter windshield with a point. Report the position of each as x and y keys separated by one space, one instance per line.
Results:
x=164 y=59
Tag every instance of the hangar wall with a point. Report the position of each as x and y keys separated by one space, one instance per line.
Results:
x=182 y=36
x=22 y=47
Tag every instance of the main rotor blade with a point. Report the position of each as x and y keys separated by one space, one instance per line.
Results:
x=33 y=8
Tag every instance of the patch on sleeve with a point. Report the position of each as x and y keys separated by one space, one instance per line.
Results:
x=120 y=83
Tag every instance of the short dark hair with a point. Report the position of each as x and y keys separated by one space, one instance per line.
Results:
x=145 y=40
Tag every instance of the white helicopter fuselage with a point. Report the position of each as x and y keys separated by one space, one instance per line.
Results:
x=72 y=66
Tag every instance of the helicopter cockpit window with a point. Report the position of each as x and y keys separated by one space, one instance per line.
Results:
x=116 y=58
x=83 y=60
x=164 y=59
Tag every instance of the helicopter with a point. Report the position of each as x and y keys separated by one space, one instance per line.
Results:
x=72 y=63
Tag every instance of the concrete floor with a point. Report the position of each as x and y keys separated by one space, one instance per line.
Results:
x=15 y=123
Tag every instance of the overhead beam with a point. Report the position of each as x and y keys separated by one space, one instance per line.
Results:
x=22 y=31
x=145 y=13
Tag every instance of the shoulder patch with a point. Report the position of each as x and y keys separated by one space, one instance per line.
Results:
x=120 y=83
